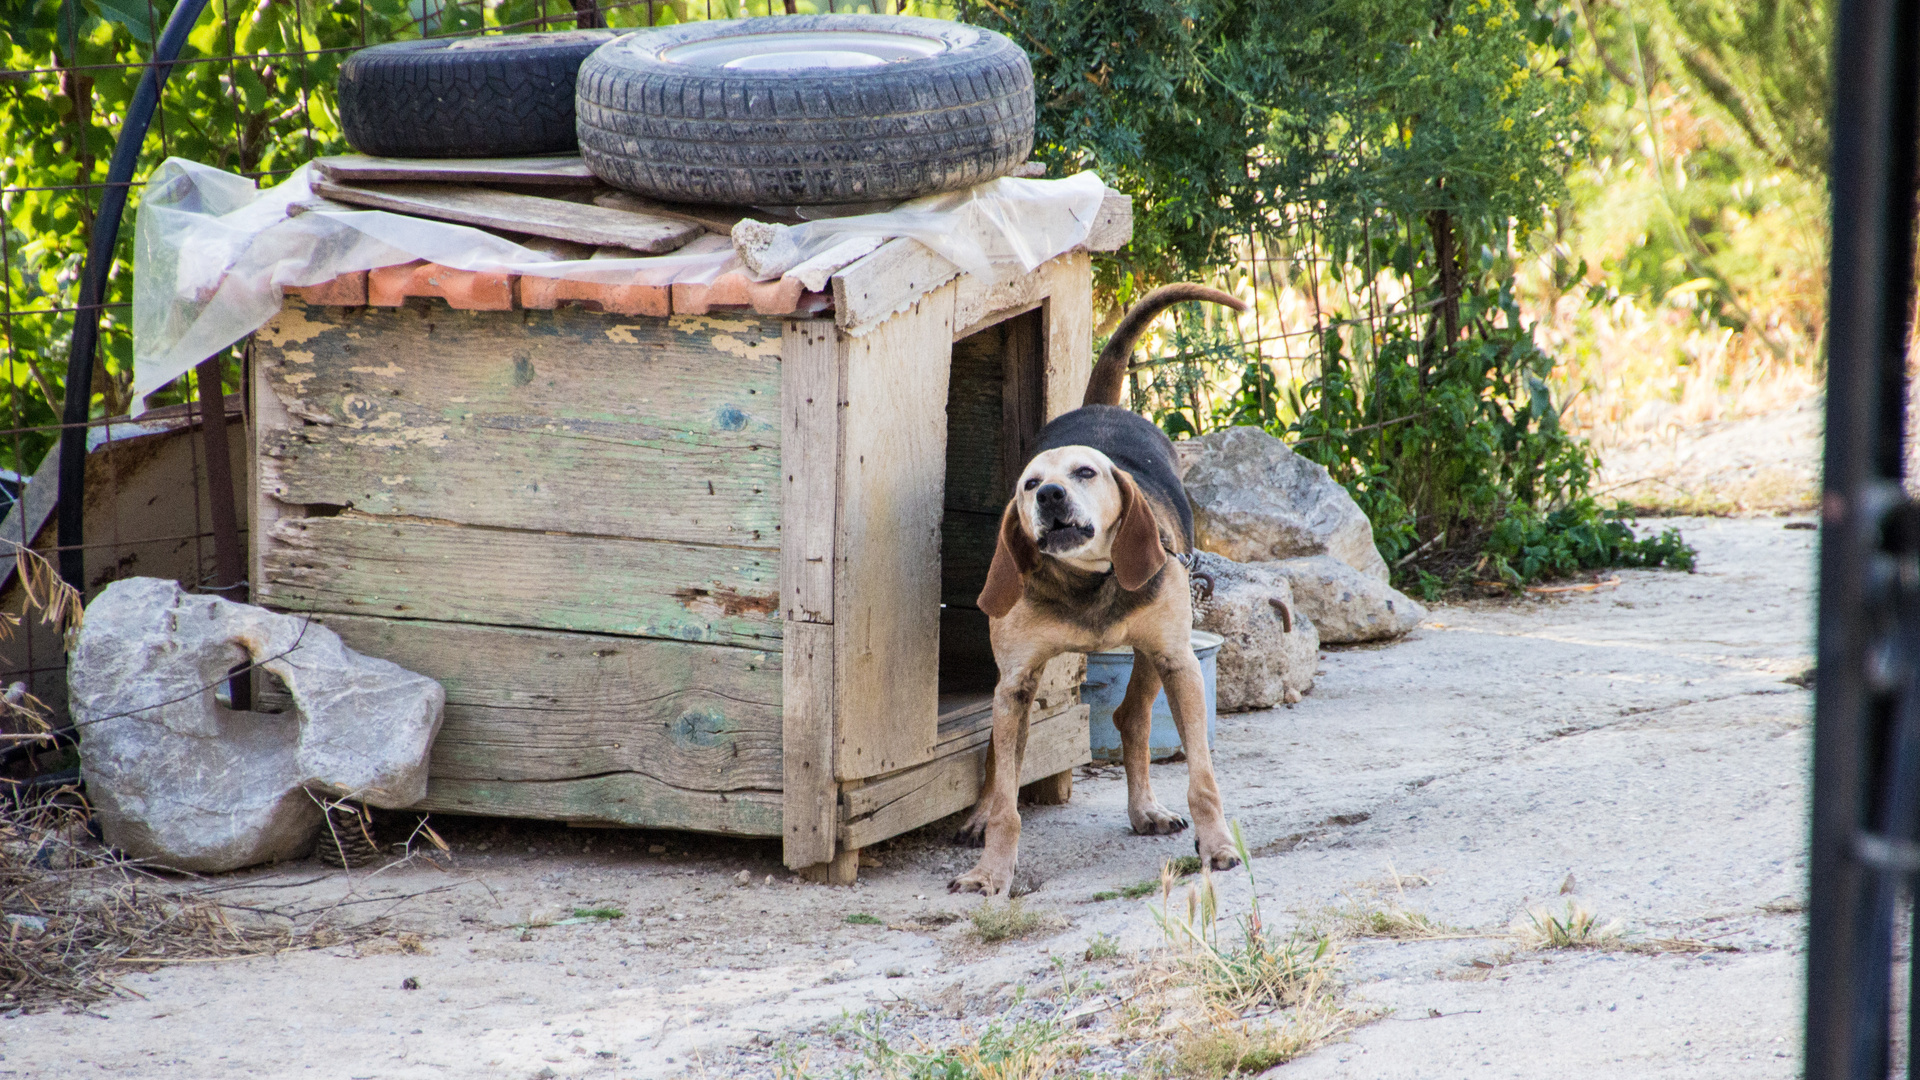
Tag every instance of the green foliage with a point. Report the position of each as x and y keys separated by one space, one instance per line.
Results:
x=1390 y=158
x=861 y=918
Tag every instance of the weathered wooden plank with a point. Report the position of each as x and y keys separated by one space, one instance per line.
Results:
x=559 y=219
x=808 y=804
x=566 y=170
x=538 y=705
x=809 y=466
x=618 y=799
x=1022 y=398
x=1112 y=227
x=562 y=420
x=887 y=542
x=951 y=783
x=1069 y=331
x=356 y=564
x=871 y=291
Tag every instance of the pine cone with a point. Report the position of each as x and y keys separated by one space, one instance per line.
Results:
x=347 y=839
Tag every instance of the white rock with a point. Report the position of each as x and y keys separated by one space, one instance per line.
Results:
x=1254 y=500
x=1346 y=605
x=189 y=784
x=1269 y=647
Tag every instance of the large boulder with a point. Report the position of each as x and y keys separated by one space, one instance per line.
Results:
x=179 y=780
x=1269 y=647
x=1255 y=500
x=1345 y=604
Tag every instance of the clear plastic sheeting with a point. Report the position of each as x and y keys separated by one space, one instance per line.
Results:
x=212 y=253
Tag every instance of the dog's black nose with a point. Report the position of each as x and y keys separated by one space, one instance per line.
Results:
x=1050 y=496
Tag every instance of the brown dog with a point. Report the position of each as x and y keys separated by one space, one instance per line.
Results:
x=1081 y=566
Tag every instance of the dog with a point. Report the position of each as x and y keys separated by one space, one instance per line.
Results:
x=1093 y=554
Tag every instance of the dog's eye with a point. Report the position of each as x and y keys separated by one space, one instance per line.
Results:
x=1084 y=473
x=1032 y=482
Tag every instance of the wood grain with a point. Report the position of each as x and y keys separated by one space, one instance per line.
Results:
x=356 y=564
x=528 y=705
x=809 y=795
x=949 y=784
x=809 y=466
x=564 y=171
x=555 y=420
x=556 y=218
x=871 y=291
x=619 y=799
x=887 y=543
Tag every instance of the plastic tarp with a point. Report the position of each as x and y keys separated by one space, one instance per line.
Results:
x=212 y=252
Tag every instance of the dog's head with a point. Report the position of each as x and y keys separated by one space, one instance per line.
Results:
x=1073 y=504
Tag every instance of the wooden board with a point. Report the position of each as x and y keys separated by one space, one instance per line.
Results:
x=554 y=420
x=527 y=705
x=887 y=542
x=580 y=223
x=951 y=782
x=1069 y=331
x=809 y=794
x=809 y=466
x=564 y=171
x=620 y=799
x=873 y=290
x=357 y=564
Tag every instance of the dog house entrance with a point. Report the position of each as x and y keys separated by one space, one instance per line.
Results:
x=995 y=407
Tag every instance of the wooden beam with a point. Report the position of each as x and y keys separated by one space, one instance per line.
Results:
x=871 y=291
x=808 y=794
x=559 y=219
x=563 y=171
x=621 y=799
x=809 y=466
x=887 y=542
x=1112 y=227
x=1069 y=331
x=949 y=784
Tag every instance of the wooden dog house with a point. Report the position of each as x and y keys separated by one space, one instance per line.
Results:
x=709 y=564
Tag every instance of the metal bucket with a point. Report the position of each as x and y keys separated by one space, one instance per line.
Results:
x=1107 y=675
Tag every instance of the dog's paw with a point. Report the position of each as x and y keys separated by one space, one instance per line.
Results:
x=970 y=835
x=1155 y=820
x=981 y=880
x=1221 y=857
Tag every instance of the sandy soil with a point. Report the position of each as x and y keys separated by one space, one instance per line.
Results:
x=1640 y=738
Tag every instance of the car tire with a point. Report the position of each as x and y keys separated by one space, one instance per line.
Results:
x=805 y=110
x=494 y=96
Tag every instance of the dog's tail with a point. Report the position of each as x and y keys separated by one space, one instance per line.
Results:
x=1109 y=380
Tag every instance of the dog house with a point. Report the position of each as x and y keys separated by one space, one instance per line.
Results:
x=684 y=557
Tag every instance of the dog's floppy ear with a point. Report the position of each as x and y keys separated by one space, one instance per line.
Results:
x=1014 y=555
x=1136 y=553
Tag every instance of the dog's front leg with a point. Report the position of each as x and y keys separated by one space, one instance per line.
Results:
x=1187 y=695
x=997 y=814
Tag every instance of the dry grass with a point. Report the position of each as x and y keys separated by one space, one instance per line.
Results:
x=1250 y=1048
x=77 y=916
x=995 y=921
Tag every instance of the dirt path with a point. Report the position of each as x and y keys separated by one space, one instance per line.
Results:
x=1641 y=739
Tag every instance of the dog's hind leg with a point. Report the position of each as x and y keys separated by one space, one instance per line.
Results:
x=1134 y=718
x=1187 y=694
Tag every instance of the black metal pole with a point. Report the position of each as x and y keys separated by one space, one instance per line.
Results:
x=93 y=287
x=1862 y=836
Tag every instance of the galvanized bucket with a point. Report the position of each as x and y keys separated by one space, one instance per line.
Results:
x=1107 y=675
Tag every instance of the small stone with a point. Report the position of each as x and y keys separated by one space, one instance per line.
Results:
x=409 y=983
x=675 y=917
x=769 y=880
x=28 y=925
x=743 y=879
x=763 y=1039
